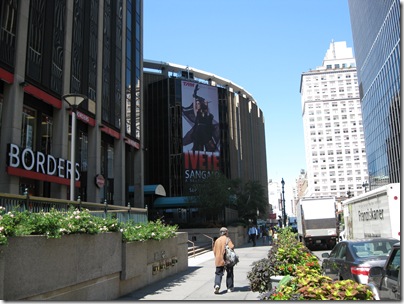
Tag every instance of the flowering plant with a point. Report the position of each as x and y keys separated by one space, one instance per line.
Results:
x=309 y=284
x=147 y=231
x=54 y=224
x=286 y=254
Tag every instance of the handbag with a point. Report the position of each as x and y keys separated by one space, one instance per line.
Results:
x=230 y=257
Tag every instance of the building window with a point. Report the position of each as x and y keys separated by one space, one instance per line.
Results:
x=28 y=130
x=46 y=134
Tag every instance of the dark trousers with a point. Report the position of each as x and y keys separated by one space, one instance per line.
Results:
x=229 y=276
x=252 y=237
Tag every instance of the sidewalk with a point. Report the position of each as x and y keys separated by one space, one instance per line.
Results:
x=196 y=283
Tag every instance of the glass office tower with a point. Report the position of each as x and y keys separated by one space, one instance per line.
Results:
x=376 y=37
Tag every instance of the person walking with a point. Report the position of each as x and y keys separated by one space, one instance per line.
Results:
x=264 y=234
x=252 y=232
x=271 y=235
x=275 y=236
x=219 y=250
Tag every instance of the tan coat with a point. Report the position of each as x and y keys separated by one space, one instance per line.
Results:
x=219 y=249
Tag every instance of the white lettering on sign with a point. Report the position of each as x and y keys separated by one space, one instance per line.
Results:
x=51 y=163
x=40 y=162
x=83 y=117
x=61 y=167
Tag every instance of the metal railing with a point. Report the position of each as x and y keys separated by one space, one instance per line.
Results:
x=193 y=247
x=213 y=241
x=37 y=204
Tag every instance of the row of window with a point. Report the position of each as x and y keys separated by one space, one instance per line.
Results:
x=339 y=66
x=340 y=152
x=326 y=105
x=333 y=96
x=340 y=188
x=340 y=173
x=335 y=125
x=335 y=111
x=335 y=117
x=330 y=90
x=337 y=138
x=331 y=76
x=337 y=131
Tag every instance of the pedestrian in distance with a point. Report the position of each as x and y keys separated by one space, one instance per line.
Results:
x=253 y=232
x=275 y=236
x=219 y=250
x=264 y=234
x=271 y=235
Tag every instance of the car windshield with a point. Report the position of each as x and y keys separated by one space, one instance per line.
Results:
x=372 y=248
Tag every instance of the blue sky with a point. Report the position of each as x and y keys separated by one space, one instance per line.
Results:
x=262 y=46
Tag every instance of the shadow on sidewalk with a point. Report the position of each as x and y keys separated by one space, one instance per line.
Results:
x=163 y=285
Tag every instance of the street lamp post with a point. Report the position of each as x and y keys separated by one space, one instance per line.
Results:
x=283 y=203
x=73 y=100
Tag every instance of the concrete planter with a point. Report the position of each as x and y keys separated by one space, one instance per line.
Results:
x=146 y=262
x=85 y=267
x=36 y=265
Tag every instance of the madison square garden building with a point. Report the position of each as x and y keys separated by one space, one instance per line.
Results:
x=197 y=124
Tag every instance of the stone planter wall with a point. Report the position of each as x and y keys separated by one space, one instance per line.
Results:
x=160 y=259
x=85 y=267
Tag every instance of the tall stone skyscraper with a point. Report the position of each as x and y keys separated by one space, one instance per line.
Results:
x=332 y=121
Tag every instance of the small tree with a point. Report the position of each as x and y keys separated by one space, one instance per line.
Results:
x=212 y=196
x=218 y=192
x=252 y=198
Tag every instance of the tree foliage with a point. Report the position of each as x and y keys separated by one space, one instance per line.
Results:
x=212 y=196
x=252 y=198
x=218 y=192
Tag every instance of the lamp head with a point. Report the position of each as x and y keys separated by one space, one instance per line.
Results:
x=74 y=100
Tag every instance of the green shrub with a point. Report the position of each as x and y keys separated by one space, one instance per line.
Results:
x=54 y=224
x=150 y=231
x=260 y=275
x=285 y=255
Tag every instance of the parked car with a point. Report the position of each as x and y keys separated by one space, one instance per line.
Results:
x=385 y=282
x=352 y=259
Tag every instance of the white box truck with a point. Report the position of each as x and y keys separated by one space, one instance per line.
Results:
x=373 y=214
x=317 y=221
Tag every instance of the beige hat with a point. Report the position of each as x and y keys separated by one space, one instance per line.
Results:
x=223 y=229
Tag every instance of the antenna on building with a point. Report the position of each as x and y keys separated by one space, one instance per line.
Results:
x=333 y=48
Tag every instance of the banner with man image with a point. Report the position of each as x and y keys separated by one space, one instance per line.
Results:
x=201 y=132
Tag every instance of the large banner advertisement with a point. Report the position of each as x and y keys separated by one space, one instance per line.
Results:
x=201 y=133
